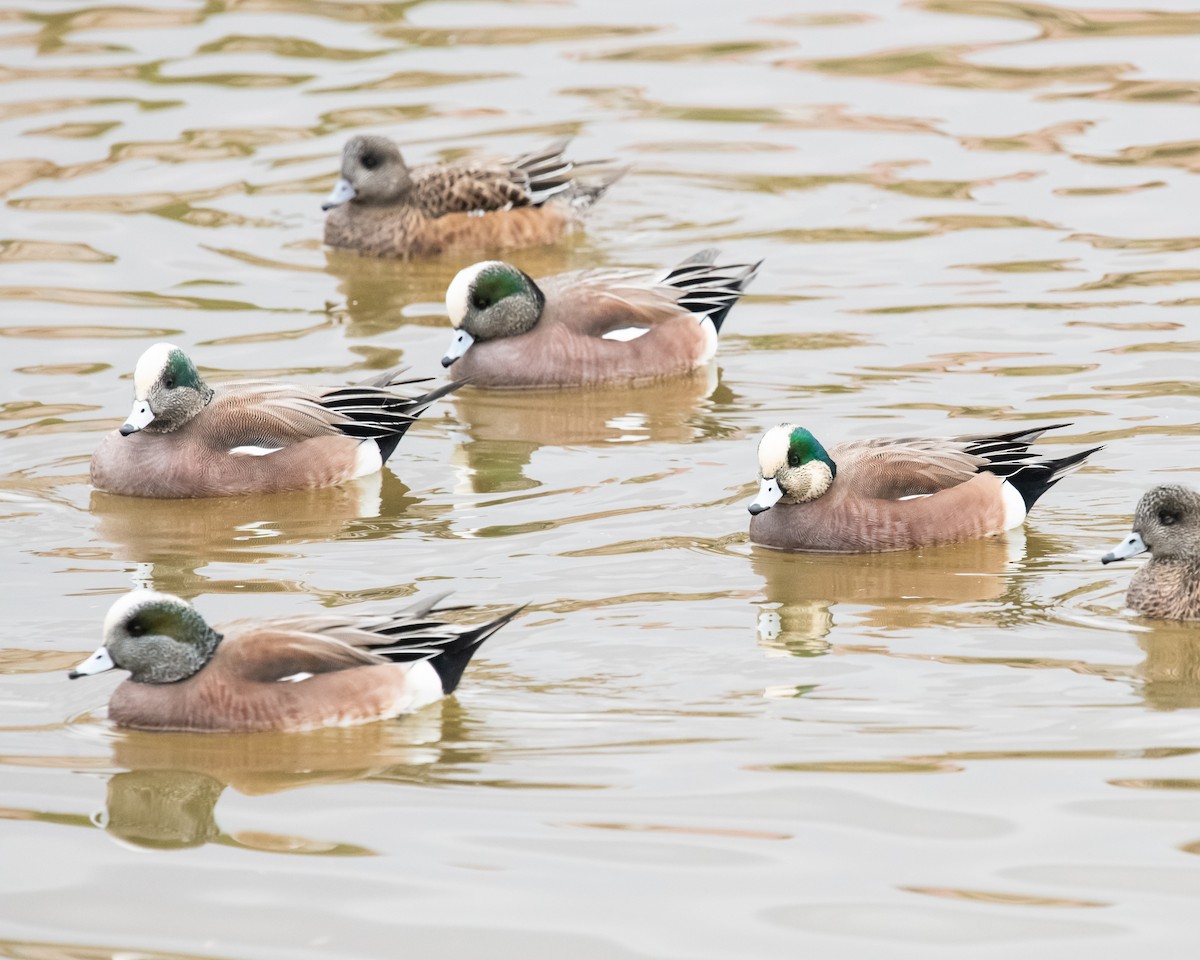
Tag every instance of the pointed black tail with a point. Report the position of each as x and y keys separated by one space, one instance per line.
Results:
x=417 y=634
x=1034 y=479
x=375 y=410
x=455 y=656
x=710 y=290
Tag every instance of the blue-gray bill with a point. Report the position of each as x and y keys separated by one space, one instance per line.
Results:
x=341 y=193
x=1131 y=546
x=460 y=343
x=98 y=662
x=769 y=494
x=140 y=416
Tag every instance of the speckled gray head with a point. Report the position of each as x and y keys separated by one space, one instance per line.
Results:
x=490 y=300
x=167 y=391
x=1166 y=523
x=793 y=464
x=157 y=637
x=373 y=172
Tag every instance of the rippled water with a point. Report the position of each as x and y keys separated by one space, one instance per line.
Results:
x=971 y=212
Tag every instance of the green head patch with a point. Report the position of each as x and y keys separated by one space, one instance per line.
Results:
x=166 y=364
x=804 y=448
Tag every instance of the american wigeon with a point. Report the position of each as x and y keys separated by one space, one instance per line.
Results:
x=588 y=327
x=1167 y=525
x=382 y=208
x=185 y=439
x=870 y=496
x=284 y=674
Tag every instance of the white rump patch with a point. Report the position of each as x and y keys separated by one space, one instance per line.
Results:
x=149 y=368
x=422 y=686
x=367 y=459
x=710 y=340
x=1014 y=506
x=625 y=334
x=253 y=451
x=295 y=677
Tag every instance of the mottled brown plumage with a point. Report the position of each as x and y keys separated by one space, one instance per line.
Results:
x=382 y=208
x=570 y=317
x=282 y=674
x=1167 y=525
x=879 y=495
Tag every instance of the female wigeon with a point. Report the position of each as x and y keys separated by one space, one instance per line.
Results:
x=869 y=496
x=588 y=327
x=185 y=439
x=382 y=208
x=1167 y=525
x=284 y=674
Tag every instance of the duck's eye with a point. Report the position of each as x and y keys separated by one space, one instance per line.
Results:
x=370 y=161
x=169 y=383
x=1168 y=518
x=478 y=302
x=135 y=628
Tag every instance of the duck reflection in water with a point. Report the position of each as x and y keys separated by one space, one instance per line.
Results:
x=172 y=535
x=506 y=427
x=1170 y=674
x=167 y=794
x=907 y=590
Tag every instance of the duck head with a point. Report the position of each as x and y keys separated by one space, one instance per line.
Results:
x=792 y=464
x=167 y=391
x=490 y=300
x=373 y=172
x=1166 y=523
x=157 y=637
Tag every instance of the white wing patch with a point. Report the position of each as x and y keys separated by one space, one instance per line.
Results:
x=253 y=451
x=295 y=677
x=625 y=334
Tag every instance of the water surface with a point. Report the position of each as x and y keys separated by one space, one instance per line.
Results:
x=971 y=214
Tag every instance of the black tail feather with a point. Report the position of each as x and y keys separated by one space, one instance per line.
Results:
x=710 y=291
x=375 y=410
x=1031 y=480
x=417 y=634
x=453 y=659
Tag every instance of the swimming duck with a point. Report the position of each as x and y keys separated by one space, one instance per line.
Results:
x=869 y=496
x=588 y=327
x=289 y=673
x=1167 y=525
x=382 y=208
x=185 y=439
